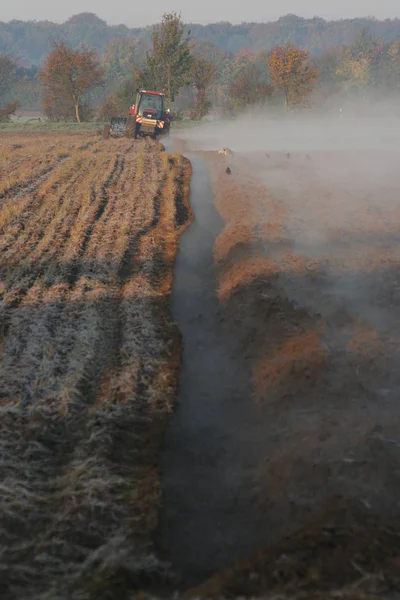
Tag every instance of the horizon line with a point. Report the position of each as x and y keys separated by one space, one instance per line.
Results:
x=208 y=23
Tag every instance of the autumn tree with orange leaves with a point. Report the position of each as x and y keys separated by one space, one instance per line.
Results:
x=291 y=72
x=67 y=76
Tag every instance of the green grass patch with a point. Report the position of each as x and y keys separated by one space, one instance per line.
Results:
x=36 y=125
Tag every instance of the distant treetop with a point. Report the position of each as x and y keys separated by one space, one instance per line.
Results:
x=86 y=18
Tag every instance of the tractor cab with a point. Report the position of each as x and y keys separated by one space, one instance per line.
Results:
x=149 y=104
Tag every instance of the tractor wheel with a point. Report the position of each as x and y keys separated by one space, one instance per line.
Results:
x=106 y=131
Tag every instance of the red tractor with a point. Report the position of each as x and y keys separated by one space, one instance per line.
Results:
x=148 y=116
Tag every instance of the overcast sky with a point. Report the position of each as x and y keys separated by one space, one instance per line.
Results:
x=146 y=12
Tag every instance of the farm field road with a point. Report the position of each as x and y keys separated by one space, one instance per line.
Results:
x=287 y=437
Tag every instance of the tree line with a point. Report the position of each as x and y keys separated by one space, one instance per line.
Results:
x=78 y=83
x=32 y=40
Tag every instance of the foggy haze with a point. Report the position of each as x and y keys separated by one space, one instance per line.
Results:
x=308 y=251
x=260 y=132
x=337 y=181
x=138 y=14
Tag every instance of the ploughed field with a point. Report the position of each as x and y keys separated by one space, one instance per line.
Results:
x=308 y=276
x=88 y=359
x=301 y=286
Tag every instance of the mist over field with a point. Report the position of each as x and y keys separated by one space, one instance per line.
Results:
x=259 y=130
x=337 y=181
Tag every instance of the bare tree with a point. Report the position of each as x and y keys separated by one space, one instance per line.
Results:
x=8 y=77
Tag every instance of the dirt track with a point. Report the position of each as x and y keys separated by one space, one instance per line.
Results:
x=289 y=388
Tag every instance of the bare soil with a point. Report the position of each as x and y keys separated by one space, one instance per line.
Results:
x=280 y=467
x=284 y=452
x=89 y=358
